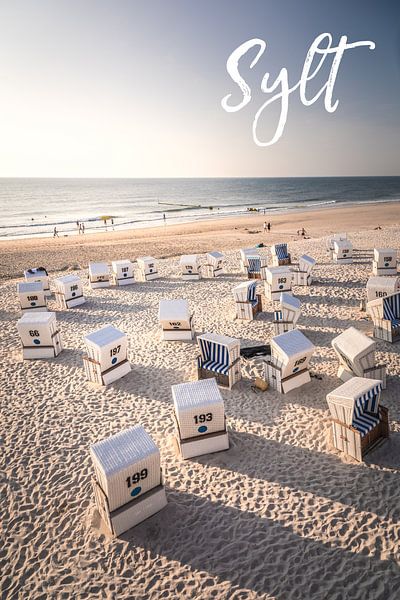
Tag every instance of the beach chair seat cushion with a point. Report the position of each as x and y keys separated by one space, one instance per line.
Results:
x=365 y=423
x=254 y=264
x=215 y=357
x=217 y=367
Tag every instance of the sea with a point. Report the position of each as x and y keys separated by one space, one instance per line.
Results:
x=33 y=207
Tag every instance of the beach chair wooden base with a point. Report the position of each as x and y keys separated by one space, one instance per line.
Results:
x=382 y=271
x=99 y=284
x=253 y=275
x=349 y=440
x=64 y=304
x=274 y=295
x=284 y=385
x=246 y=311
x=383 y=330
x=209 y=271
x=376 y=372
x=31 y=309
x=191 y=276
x=282 y=327
x=342 y=261
x=143 y=277
x=280 y=262
x=301 y=278
x=226 y=381
x=202 y=444
x=38 y=352
x=117 y=281
x=94 y=373
x=169 y=335
x=134 y=512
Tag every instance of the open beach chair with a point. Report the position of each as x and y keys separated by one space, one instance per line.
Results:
x=287 y=366
x=122 y=272
x=99 y=276
x=190 y=266
x=385 y=314
x=219 y=358
x=385 y=262
x=280 y=255
x=147 y=268
x=38 y=274
x=302 y=274
x=285 y=319
x=248 y=302
x=277 y=280
x=69 y=291
x=356 y=354
x=127 y=483
x=244 y=253
x=214 y=266
x=106 y=359
x=176 y=320
x=359 y=421
x=39 y=335
x=379 y=287
x=342 y=251
x=31 y=297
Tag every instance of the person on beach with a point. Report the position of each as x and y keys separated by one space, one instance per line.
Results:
x=265 y=226
x=55 y=232
x=83 y=228
x=112 y=224
x=164 y=217
x=269 y=226
x=78 y=226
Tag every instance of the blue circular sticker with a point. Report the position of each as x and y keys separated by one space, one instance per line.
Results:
x=386 y=264
x=281 y=287
x=73 y=294
x=136 y=491
x=36 y=341
x=295 y=369
x=202 y=429
x=125 y=274
x=33 y=303
x=114 y=360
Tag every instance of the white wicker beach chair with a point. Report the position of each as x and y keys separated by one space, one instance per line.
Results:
x=200 y=418
x=214 y=266
x=106 y=359
x=39 y=335
x=379 y=287
x=280 y=255
x=38 y=274
x=190 y=266
x=356 y=353
x=99 y=276
x=385 y=314
x=31 y=297
x=385 y=261
x=244 y=253
x=69 y=291
x=359 y=421
x=248 y=302
x=122 y=272
x=127 y=484
x=332 y=238
x=219 y=358
x=302 y=274
x=176 y=320
x=285 y=319
x=147 y=268
x=277 y=280
x=287 y=367
x=342 y=251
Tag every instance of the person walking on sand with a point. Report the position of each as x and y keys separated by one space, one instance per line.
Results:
x=112 y=224
x=265 y=226
x=55 y=232
x=78 y=226
x=269 y=226
x=83 y=228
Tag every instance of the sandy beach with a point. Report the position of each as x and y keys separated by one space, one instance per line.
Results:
x=281 y=515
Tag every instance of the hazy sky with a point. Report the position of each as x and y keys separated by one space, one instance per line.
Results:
x=133 y=89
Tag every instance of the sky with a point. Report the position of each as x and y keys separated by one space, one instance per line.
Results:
x=133 y=89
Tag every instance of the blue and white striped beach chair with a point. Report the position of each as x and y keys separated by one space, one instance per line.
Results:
x=286 y=318
x=248 y=302
x=359 y=422
x=219 y=358
x=385 y=314
x=280 y=255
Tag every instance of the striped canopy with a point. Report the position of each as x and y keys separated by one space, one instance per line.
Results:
x=365 y=412
x=281 y=251
x=254 y=264
x=391 y=308
x=214 y=357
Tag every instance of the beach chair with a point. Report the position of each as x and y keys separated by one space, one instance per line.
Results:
x=69 y=291
x=31 y=297
x=190 y=266
x=214 y=266
x=99 y=276
x=106 y=359
x=342 y=251
x=379 y=287
x=244 y=253
x=255 y=264
x=39 y=335
x=280 y=255
x=248 y=302
x=38 y=274
x=277 y=280
x=302 y=274
x=127 y=483
x=199 y=418
x=356 y=354
x=385 y=314
x=219 y=358
x=385 y=261
x=147 y=269
x=333 y=238
x=359 y=421
x=176 y=320
x=286 y=318
x=287 y=366
x=122 y=272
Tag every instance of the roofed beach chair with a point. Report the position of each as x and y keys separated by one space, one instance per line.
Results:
x=99 y=276
x=287 y=366
x=69 y=291
x=199 y=418
x=385 y=314
x=244 y=253
x=147 y=268
x=176 y=320
x=385 y=261
x=342 y=251
x=379 y=287
x=285 y=319
x=190 y=266
x=128 y=485
x=106 y=359
x=248 y=302
x=332 y=238
x=302 y=274
x=277 y=280
x=39 y=335
x=280 y=255
x=122 y=272
x=219 y=358
x=359 y=421
x=38 y=274
x=214 y=266
x=255 y=263
x=356 y=353
x=31 y=297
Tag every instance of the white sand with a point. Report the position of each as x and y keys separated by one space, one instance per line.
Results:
x=279 y=515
